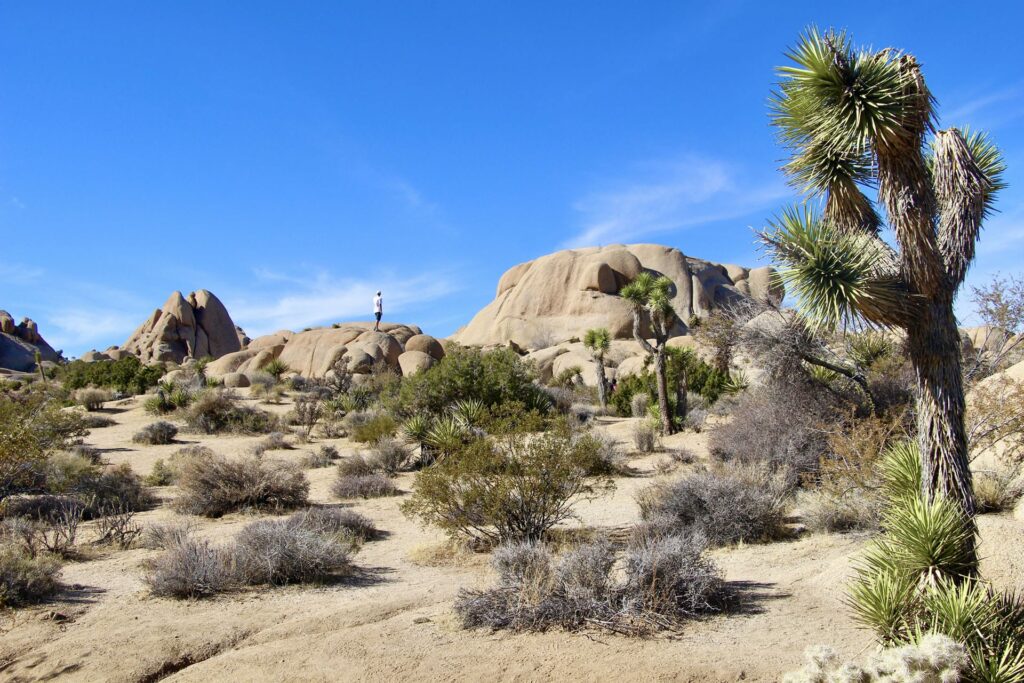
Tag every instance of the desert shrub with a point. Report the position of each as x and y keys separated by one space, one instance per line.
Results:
x=639 y=404
x=117 y=526
x=189 y=568
x=97 y=421
x=41 y=507
x=262 y=380
x=358 y=465
x=54 y=532
x=156 y=433
x=995 y=420
x=390 y=455
x=491 y=377
x=998 y=490
x=667 y=580
x=335 y=521
x=91 y=399
x=567 y=378
x=934 y=657
x=165 y=535
x=275 y=441
x=279 y=552
x=701 y=379
x=645 y=436
x=215 y=486
x=783 y=423
x=24 y=578
x=32 y=427
x=376 y=427
x=325 y=456
x=162 y=474
x=127 y=375
x=838 y=511
x=516 y=488
x=114 y=487
x=447 y=435
x=158 y=404
x=215 y=411
x=374 y=485
x=598 y=455
x=307 y=413
x=90 y=453
x=726 y=505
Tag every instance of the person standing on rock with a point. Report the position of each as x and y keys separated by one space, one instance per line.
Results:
x=378 y=310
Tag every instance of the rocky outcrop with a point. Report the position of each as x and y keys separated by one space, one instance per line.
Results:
x=312 y=353
x=558 y=297
x=192 y=327
x=19 y=344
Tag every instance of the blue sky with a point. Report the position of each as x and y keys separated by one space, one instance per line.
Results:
x=295 y=157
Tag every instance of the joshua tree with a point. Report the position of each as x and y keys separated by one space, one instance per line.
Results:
x=650 y=294
x=39 y=366
x=855 y=119
x=598 y=341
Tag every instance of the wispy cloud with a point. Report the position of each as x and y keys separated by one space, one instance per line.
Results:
x=989 y=109
x=325 y=298
x=670 y=196
x=80 y=328
x=20 y=274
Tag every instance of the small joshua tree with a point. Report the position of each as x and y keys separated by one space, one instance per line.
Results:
x=649 y=294
x=598 y=341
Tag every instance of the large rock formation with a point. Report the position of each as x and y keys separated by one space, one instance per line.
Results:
x=191 y=327
x=559 y=296
x=19 y=344
x=311 y=353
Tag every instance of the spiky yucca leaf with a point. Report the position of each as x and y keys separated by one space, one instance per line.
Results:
x=416 y=428
x=598 y=340
x=901 y=471
x=837 y=276
x=883 y=601
x=929 y=538
x=470 y=412
x=867 y=348
x=447 y=435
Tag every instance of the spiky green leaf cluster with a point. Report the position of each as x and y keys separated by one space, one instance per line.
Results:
x=598 y=340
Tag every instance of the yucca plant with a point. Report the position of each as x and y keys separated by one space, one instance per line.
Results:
x=919 y=577
x=446 y=436
x=275 y=367
x=857 y=118
x=651 y=295
x=598 y=341
x=470 y=412
x=869 y=347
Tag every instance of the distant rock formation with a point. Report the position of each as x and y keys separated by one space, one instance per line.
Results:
x=19 y=344
x=192 y=327
x=312 y=353
x=558 y=297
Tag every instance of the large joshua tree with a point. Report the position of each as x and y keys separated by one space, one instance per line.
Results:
x=651 y=295
x=598 y=341
x=857 y=120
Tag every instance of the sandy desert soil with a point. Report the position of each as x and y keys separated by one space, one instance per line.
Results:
x=394 y=621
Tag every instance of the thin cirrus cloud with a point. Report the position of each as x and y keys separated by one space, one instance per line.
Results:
x=669 y=197
x=326 y=298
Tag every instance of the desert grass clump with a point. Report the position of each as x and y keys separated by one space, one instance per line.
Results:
x=97 y=421
x=325 y=456
x=727 y=505
x=26 y=578
x=645 y=436
x=374 y=485
x=164 y=535
x=666 y=580
x=92 y=399
x=215 y=486
x=998 y=490
x=156 y=434
x=390 y=455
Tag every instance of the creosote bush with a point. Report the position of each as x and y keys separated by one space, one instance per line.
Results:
x=727 y=505
x=371 y=428
x=666 y=580
x=156 y=433
x=214 y=486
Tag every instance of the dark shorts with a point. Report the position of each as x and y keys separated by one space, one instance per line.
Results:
x=378 y=314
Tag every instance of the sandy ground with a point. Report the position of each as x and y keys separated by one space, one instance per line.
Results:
x=395 y=620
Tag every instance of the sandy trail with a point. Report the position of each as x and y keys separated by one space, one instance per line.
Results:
x=395 y=620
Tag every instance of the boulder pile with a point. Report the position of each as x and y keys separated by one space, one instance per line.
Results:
x=192 y=327
x=19 y=344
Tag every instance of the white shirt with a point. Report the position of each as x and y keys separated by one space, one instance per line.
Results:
x=378 y=304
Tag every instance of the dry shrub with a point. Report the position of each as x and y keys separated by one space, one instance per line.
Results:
x=389 y=455
x=307 y=413
x=357 y=465
x=189 y=568
x=156 y=434
x=828 y=511
x=25 y=578
x=325 y=456
x=279 y=552
x=117 y=527
x=363 y=486
x=371 y=427
x=275 y=441
x=97 y=421
x=727 y=505
x=783 y=423
x=216 y=410
x=639 y=404
x=215 y=485
x=666 y=580
x=645 y=436
x=995 y=419
x=998 y=490
x=164 y=535
x=335 y=521
x=92 y=399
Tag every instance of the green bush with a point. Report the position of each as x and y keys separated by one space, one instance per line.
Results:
x=701 y=379
x=377 y=427
x=490 y=377
x=215 y=410
x=32 y=427
x=156 y=433
x=26 y=578
x=127 y=375
x=514 y=489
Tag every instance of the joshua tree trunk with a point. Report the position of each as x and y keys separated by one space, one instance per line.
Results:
x=602 y=383
x=659 y=371
x=934 y=347
x=681 y=388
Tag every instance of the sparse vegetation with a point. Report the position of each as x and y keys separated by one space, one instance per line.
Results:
x=216 y=410
x=26 y=578
x=92 y=399
x=371 y=485
x=214 y=486
x=156 y=433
